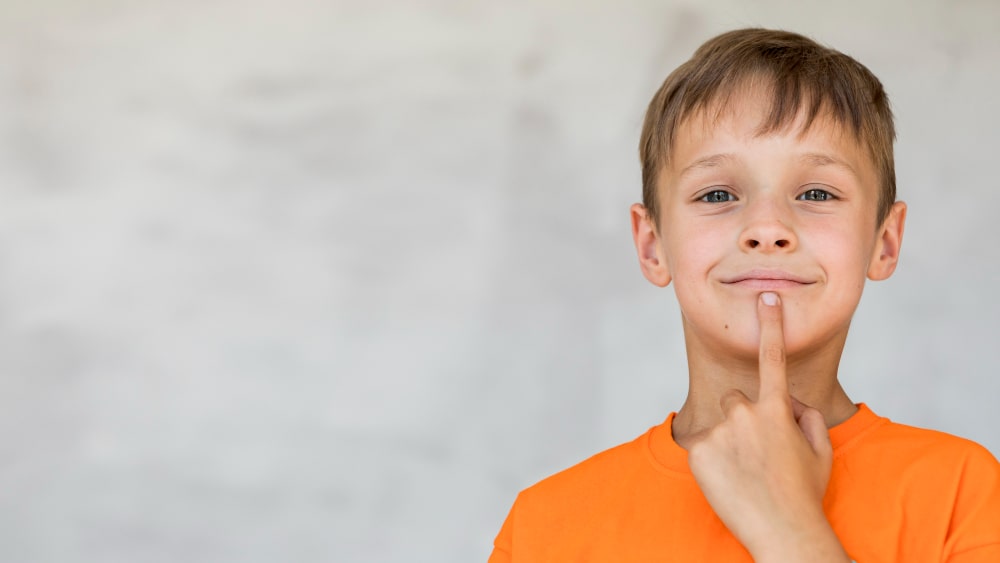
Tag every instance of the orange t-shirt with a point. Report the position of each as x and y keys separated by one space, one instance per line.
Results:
x=896 y=493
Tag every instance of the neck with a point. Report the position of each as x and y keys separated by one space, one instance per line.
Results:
x=812 y=380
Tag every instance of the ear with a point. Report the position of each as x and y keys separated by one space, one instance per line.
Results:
x=886 y=254
x=647 y=244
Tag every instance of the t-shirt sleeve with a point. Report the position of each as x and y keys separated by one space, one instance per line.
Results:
x=503 y=544
x=984 y=554
x=975 y=524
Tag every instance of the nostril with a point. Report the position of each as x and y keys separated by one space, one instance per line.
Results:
x=781 y=243
x=753 y=243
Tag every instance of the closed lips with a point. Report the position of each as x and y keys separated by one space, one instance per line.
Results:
x=767 y=276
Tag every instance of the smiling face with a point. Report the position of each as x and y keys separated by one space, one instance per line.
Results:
x=793 y=212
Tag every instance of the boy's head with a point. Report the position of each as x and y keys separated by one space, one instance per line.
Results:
x=796 y=74
x=767 y=166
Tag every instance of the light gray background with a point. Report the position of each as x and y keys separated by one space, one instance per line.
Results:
x=301 y=281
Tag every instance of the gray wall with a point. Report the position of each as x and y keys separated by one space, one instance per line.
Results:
x=301 y=281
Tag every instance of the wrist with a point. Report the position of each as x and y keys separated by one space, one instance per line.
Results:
x=814 y=542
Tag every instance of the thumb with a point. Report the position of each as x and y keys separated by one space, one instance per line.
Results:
x=814 y=427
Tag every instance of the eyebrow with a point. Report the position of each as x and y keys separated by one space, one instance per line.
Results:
x=815 y=159
x=823 y=159
x=710 y=161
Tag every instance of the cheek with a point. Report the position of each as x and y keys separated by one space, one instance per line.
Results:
x=690 y=268
x=844 y=261
x=841 y=252
x=695 y=248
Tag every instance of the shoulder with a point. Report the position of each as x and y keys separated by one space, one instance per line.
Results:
x=946 y=484
x=922 y=445
x=922 y=462
x=589 y=479
x=557 y=517
x=924 y=492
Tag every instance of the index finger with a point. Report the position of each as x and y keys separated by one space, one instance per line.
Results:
x=773 y=378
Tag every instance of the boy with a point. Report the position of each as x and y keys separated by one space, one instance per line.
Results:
x=768 y=198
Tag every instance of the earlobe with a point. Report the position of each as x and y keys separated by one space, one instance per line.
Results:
x=886 y=253
x=647 y=245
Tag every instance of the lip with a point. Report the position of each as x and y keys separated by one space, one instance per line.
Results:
x=767 y=279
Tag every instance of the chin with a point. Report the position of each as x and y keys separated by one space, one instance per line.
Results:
x=742 y=338
x=746 y=344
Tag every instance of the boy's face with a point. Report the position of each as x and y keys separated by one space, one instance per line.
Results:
x=791 y=212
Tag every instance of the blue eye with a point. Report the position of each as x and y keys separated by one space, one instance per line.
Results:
x=816 y=195
x=718 y=196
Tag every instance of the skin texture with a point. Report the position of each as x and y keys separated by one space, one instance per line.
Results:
x=789 y=214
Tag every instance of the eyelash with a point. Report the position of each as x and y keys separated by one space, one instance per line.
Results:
x=816 y=192
x=707 y=197
x=827 y=196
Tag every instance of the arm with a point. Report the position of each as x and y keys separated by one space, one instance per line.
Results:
x=765 y=468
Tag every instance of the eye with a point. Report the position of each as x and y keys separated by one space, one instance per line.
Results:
x=717 y=196
x=816 y=195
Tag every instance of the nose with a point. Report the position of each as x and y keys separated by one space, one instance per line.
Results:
x=766 y=232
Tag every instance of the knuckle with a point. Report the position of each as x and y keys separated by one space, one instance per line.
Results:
x=775 y=353
x=696 y=451
x=741 y=406
x=738 y=409
x=732 y=400
x=700 y=453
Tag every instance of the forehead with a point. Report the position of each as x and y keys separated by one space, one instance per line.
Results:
x=744 y=125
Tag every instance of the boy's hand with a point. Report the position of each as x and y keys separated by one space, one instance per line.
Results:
x=765 y=468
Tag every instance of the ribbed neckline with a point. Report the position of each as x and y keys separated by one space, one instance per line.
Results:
x=667 y=455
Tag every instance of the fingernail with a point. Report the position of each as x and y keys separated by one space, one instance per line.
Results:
x=770 y=299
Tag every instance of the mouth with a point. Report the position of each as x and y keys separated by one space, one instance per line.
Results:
x=767 y=280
